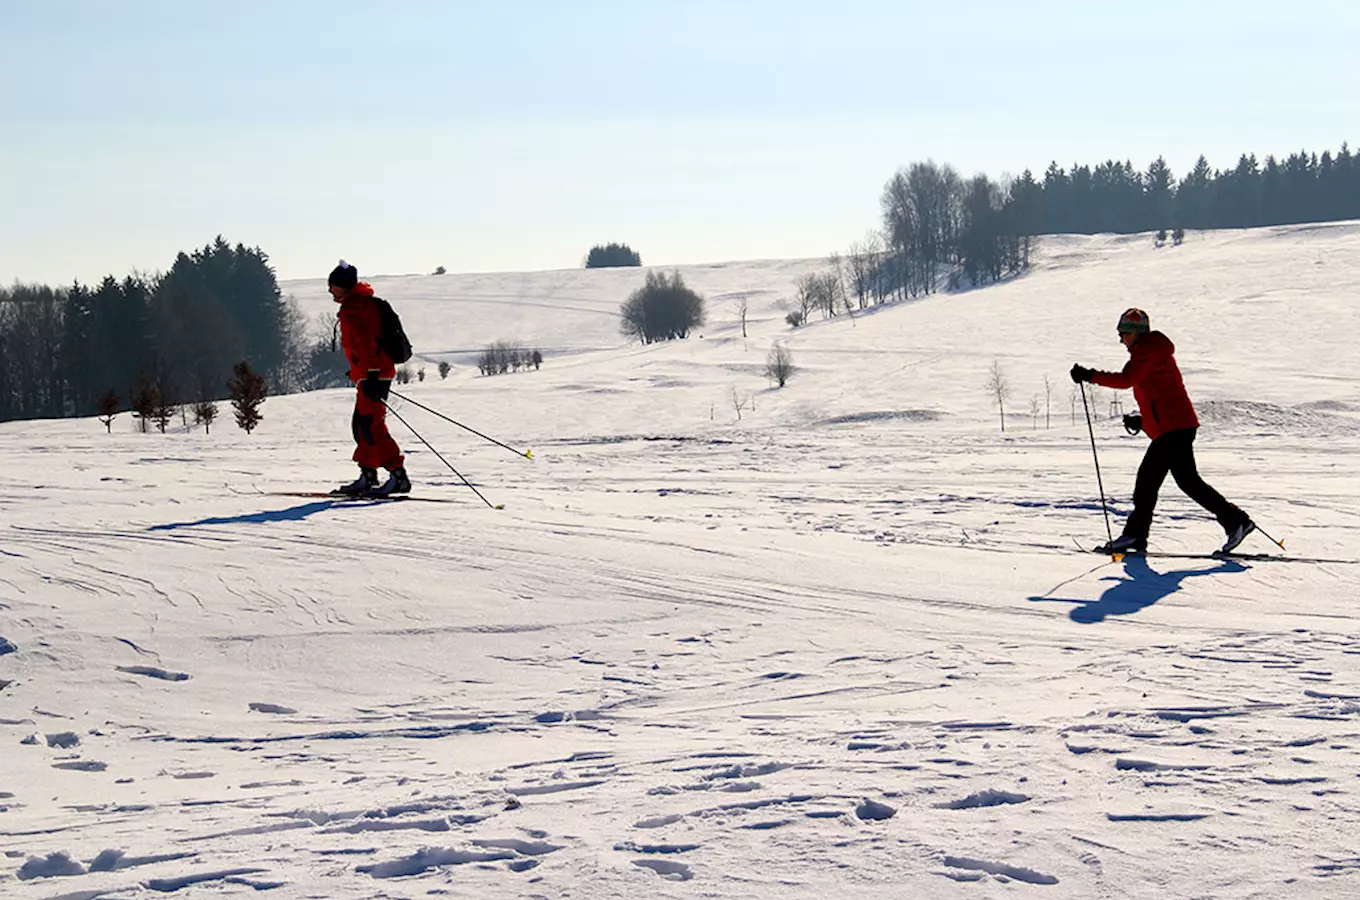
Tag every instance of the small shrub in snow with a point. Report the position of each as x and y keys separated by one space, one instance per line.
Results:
x=663 y=309
x=779 y=364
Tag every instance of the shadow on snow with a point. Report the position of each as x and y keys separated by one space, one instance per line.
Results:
x=1137 y=589
x=291 y=514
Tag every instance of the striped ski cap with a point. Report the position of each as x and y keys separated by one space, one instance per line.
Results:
x=1134 y=320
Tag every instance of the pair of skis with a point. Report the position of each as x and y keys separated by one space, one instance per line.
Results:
x=354 y=498
x=1219 y=556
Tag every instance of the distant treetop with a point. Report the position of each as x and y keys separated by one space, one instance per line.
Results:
x=605 y=256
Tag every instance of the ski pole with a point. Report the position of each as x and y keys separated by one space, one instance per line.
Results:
x=1279 y=544
x=527 y=454
x=1099 y=483
x=442 y=459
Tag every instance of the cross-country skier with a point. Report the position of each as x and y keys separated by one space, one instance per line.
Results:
x=372 y=371
x=1167 y=417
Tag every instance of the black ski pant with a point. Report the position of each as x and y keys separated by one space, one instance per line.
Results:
x=1174 y=452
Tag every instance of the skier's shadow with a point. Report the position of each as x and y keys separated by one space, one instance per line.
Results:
x=291 y=514
x=1137 y=589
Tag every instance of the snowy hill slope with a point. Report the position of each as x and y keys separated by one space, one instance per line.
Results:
x=842 y=644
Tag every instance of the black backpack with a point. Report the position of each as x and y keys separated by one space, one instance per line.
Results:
x=392 y=339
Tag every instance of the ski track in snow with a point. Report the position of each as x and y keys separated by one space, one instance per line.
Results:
x=844 y=645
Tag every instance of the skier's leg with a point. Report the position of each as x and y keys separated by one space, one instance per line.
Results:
x=1151 y=473
x=384 y=445
x=366 y=427
x=1186 y=473
x=385 y=449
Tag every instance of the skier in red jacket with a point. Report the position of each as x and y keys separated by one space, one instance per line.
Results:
x=1167 y=416
x=372 y=371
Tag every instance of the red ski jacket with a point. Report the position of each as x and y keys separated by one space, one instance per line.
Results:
x=1157 y=385
x=360 y=328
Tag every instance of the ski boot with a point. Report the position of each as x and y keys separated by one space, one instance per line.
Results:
x=397 y=483
x=1124 y=544
x=1237 y=536
x=361 y=486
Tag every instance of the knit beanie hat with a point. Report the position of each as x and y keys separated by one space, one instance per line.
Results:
x=344 y=276
x=1134 y=320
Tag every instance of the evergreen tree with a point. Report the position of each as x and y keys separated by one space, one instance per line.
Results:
x=1194 y=196
x=1161 y=194
x=604 y=256
x=109 y=405
x=144 y=400
x=247 y=390
x=205 y=411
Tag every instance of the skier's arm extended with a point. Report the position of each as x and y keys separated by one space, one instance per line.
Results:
x=1134 y=371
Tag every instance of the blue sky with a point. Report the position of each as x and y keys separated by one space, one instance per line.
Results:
x=492 y=136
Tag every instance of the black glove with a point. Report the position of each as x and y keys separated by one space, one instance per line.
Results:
x=373 y=387
x=1133 y=422
x=1080 y=373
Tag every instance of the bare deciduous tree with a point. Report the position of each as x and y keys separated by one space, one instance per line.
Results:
x=506 y=356
x=922 y=209
x=859 y=260
x=330 y=324
x=739 y=402
x=1034 y=412
x=779 y=364
x=809 y=289
x=1048 y=403
x=836 y=271
x=1000 y=389
x=662 y=309
x=742 y=306
x=821 y=291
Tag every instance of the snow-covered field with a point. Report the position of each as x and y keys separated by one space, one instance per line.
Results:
x=841 y=645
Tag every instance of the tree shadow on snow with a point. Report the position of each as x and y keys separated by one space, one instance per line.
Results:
x=1137 y=589
x=291 y=514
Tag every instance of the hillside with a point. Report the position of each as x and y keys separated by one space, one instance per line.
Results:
x=842 y=643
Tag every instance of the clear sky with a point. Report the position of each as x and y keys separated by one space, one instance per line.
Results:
x=491 y=135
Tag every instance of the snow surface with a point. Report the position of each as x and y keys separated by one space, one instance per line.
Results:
x=841 y=646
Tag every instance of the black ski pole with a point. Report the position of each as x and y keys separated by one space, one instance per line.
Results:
x=1099 y=483
x=1279 y=544
x=527 y=454
x=442 y=459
